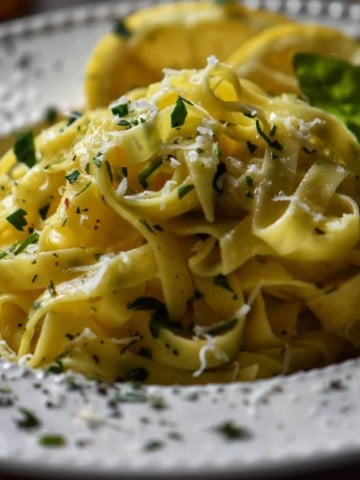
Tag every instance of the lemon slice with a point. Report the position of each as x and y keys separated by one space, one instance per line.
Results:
x=176 y=35
x=266 y=58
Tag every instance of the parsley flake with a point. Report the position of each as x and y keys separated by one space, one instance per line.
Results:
x=28 y=421
x=231 y=431
x=121 y=29
x=33 y=238
x=17 y=219
x=145 y=174
x=121 y=109
x=24 y=148
x=52 y=441
x=179 y=113
x=72 y=176
x=222 y=281
x=272 y=143
x=184 y=189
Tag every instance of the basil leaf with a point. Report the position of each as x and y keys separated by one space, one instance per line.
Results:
x=24 y=148
x=331 y=84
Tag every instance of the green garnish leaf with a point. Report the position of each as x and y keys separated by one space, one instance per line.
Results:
x=29 y=420
x=57 y=367
x=145 y=174
x=218 y=182
x=24 y=148
x=121 y=29
x=272 y=143
x=52 y=441
x=184 y=189
x=139 y=374
x=157 y=321
x=121 y=109
x=249 y=181
x=222 y=281
x=50 y=114
x=73 y=116
x=331 y=84
x=251 y=146
x=72 y=176
x=219 y=328
x=231 y=431
x=179 y=113
x=33 y=238
x=43 y=211
x=147 y=303
x=17 y=219
x=224 y=2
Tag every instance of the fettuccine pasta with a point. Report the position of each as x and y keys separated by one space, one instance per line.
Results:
x=197 y=230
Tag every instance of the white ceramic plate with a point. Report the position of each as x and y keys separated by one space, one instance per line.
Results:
x=62 y=424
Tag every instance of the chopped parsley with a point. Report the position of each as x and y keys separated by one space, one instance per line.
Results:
x=43 y=211
x=231 y=431
x=121 y=29
x=147 y=303
x=251 y=146
x=52 y=441
x=331 y=84
x=145 y=352
x=272 y=143
x=219 y=328
x=28 y=420
x=72 y=176
x=50 y=114
x=17 y=219
x=184 y=189
x=138 y=374
x=219 y=178
x=31 y=239
x=249 y=181
x=146 y=224
x=179 y=113
x=121 y=109
x=24 y=148
x=98 y=159
x=222 y=281
x=73 y=116
x=153 y=445
x=224 y=2
x=145 y=174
